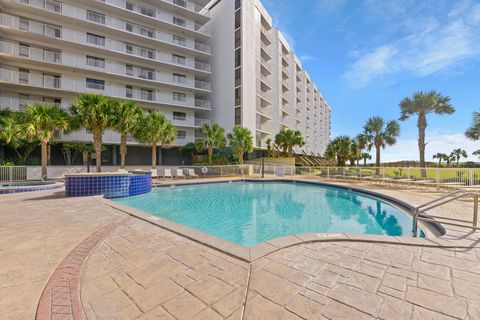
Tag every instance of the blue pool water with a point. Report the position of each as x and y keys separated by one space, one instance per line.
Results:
x=248 y=213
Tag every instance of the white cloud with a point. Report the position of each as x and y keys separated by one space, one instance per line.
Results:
x=306 y=57
x=407 y=149
x=429 y=45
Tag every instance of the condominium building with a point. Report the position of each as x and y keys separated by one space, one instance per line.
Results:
x=154 y=52
x=258 y=81
x=192 y=60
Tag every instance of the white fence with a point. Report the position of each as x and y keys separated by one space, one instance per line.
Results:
x=14 y=173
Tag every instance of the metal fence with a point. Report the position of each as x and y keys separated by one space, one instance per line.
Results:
x=219 y=171
x=13 y=173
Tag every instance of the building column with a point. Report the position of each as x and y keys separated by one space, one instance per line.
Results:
x=114 y=155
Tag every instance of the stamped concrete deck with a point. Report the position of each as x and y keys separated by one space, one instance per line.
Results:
x=141 y=271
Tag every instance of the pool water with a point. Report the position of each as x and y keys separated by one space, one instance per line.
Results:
x=249 y=213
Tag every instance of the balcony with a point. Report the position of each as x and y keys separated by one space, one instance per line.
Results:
x=200 y=122
x=32 y=53
x=203 y=103
x=204 y=85
x=202 y=66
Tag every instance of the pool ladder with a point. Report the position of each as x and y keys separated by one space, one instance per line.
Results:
x=419 y=213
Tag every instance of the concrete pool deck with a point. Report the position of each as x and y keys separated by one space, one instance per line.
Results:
x=92 y=261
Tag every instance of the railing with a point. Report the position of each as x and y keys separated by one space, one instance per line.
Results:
x=204 y=85
x=203 y=103
x=13 y=173
x=419 y=213
x=220 y=171
x=201 y=122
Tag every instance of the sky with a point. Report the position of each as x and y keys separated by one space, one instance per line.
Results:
x=367 y=55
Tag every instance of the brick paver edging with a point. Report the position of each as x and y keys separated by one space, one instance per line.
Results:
x=60 y=298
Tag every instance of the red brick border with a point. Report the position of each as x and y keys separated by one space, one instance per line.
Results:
x=60 y=299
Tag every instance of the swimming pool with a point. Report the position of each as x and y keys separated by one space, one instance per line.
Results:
x=23 y=184
x=249 y=213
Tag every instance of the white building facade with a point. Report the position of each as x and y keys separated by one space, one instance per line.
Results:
x=192 y=60
x=258 y=81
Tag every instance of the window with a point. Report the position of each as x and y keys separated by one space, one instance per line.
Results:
x=24 y=25
x=147 y=32
x=180 y=78
x=178 y=59
x=23 y=76
x=129 y=70
x=95 y=62
x=238 y=18
x=95 y=39
x=24 y=50
x=95 y=84
x=129 y=91
x=147 y=11
x=238 y=40
x=52 y=56
x=179 y=21
x=238 y=57
x=53 y=5
x=23 y=101
x=181 y=116
x=51 y=80
x=129 y=49
x=129 y=27
x=238 y=116
x=147 y=53
x=181 y=135
x=238 y=96
x=52 y=31
x=147 y=74
x=238 y=77
x=180 y=97
x=147 y=94
x=50 y=100
x=95 y=17
x=237 y=4
x=179 y=41
x=129 y=5
x=181 y=3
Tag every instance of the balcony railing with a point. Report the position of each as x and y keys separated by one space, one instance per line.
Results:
x=202 y=103
x=201 y=122
x=204 y=85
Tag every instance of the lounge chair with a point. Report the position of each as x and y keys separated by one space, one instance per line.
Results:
x=191 y=173
x=154 y=173
x=167 y=173
x=178 y=173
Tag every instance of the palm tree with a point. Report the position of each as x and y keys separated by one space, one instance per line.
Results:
x=214 y=137
x=355 y=152
x=440 y=157
x=366 y=156
x=268 y=142
x=41 y=122
x=474 y=131
x=125 y=121
x=422 y=103
x=457 y=154
x=192 y=149
x=476 y=153
x=288 y=139
x=154 y=129
x=241 y=141
x=12 y=134
x=94 y=112
x=379 y=135
x=339 y=149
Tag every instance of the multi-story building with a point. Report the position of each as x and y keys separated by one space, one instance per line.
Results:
x=258 y=81
x=192 y=60
x=154 y=52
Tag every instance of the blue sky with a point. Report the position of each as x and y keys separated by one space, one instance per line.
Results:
x=366 y=55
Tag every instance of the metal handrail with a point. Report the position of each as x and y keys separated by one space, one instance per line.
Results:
x=419 y=212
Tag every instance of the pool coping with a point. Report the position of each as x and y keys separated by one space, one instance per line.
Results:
x=43 y=187
x=250 y=254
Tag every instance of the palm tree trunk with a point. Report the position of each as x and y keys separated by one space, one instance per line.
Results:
x=123 y=150
x=422 y=125
x=210 y=154
x=364 y=162
x=44 y=145
x=97 y=143
x=377 y=160
x=49 y=154
x=240 y=157
x=85 y=157
x=154 y=156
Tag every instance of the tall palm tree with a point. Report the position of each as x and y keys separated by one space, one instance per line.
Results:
x=94 y=112
x=214 y=137
x=125 y=121
x=241 y=141
x=11 y=133
x=339 y=149
x=421 y=104
x=440 y=157
x=154 y=129
x=457 y=154
x=366 y=156
x=379 y=135
x=41 y=122
x=474 y=131
x=355 y=152
x=288 y=139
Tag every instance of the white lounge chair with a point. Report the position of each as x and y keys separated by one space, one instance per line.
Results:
x=167 y=173
x=178 y=173
x=154 y=173
x=191 y=173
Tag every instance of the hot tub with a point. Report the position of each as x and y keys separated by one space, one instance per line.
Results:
x=108 y=184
